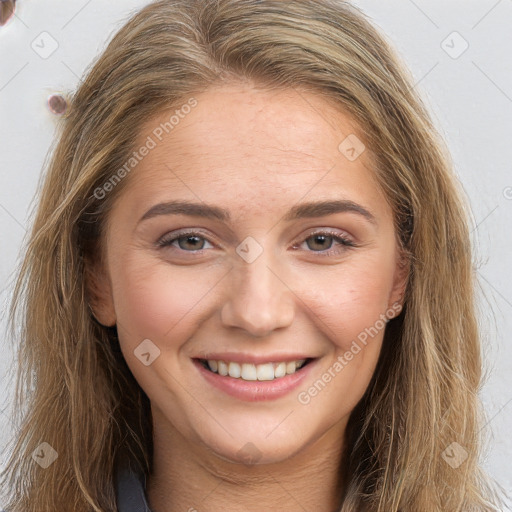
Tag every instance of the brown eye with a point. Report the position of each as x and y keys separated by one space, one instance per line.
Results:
x=320 y=242
x=187 y=242
x=327 y=243
x=190 y=242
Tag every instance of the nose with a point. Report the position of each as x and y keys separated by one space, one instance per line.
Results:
x=259 y=299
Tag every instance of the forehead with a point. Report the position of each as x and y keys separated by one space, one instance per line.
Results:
x=243 y=144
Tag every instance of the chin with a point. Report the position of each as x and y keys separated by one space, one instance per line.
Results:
x=255 y=440
x=256 y=452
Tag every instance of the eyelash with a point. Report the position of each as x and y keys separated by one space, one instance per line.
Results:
x=344 y=242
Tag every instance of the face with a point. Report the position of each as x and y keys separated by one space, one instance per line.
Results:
x=247 y=241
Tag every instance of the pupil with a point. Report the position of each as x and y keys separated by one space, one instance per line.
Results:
x=189 y=239
x=322 y=238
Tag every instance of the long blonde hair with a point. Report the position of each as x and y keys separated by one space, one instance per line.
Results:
x=74 y=390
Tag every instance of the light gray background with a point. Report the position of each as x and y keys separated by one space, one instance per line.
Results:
x=470 y=97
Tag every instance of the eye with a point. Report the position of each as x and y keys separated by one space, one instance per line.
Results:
x=322 y=242
x=190 y=241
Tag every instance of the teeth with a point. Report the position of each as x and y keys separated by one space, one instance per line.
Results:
x=222 y=368
x=248 y=371
x=234 y=370
x=280 y=370
x=290 y=367
x=265 y=371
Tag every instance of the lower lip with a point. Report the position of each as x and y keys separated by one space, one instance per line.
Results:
x=255 y=390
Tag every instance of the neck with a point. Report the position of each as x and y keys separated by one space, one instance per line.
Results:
x=188 y=477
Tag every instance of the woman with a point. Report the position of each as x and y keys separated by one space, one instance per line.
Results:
x=249 y=282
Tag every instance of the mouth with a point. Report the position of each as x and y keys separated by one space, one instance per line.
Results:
x=246 y=371
x=252 y=377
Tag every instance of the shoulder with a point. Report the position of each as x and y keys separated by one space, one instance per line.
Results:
x=130 y=484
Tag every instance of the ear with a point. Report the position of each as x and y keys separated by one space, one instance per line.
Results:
x=99 y=292
x=400 y=280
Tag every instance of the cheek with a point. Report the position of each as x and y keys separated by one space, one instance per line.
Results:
x=350 y=309
x=348 y=301
x=153 y=302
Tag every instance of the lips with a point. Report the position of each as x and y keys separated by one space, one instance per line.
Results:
x=250 y=372
x=254 y=379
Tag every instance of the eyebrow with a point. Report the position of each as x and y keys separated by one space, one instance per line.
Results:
x=300 y=211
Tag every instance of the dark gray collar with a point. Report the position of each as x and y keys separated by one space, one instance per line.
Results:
x=130 y=488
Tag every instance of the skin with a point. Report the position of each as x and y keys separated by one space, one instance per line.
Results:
x=255 y=153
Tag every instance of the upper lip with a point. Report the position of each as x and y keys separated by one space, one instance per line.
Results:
x=253 y=359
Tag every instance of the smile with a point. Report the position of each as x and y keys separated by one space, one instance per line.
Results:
x=252 y=372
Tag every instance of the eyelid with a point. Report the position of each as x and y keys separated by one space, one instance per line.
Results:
x=173 y=235
x=327 y=231
x=346 y=243
x=343 y=240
